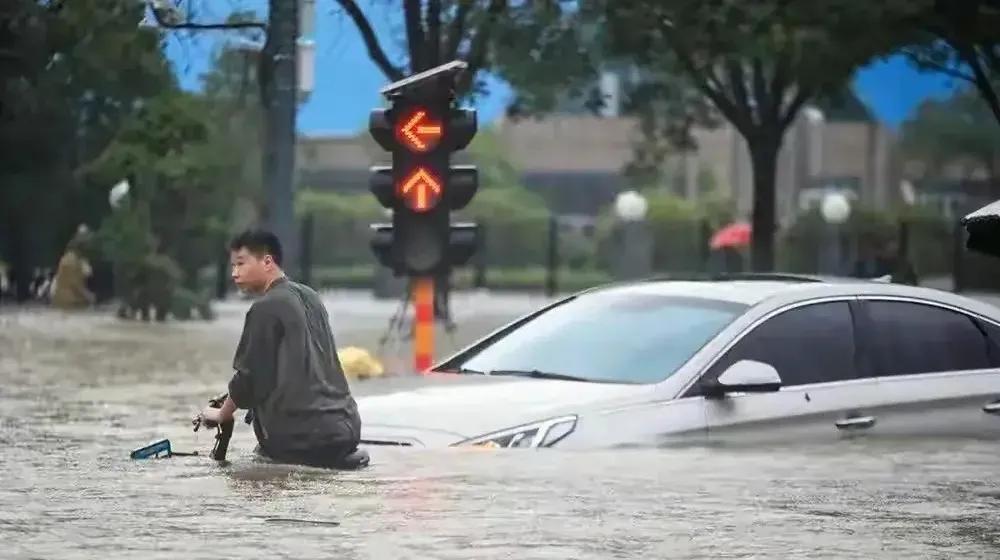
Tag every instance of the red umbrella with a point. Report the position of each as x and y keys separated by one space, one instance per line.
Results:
x=733 y=236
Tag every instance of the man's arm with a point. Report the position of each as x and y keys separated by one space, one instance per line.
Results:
x=256 y=359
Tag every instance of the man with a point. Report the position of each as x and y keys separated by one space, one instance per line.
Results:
x=287 y=370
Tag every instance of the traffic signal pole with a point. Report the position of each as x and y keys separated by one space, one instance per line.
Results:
x=423 y=326
x=422 y=129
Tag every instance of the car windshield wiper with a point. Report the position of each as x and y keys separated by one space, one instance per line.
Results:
x=538 y=374
x=460 y=370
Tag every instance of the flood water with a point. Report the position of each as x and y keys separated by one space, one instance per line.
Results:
x=77 y=393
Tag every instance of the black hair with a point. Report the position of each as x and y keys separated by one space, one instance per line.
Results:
x=259 y=242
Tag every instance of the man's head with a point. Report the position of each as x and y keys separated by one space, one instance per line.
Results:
x=255 y=256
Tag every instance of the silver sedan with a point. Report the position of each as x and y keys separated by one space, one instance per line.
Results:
x=766 y=358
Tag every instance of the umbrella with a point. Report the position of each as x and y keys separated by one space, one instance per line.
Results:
x=734 y=235
x=983 y=226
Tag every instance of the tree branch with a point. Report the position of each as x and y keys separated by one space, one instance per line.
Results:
x=375 y=51
x=939 y=67
x=415 y=36
x=801 y=96
x=215 y=26
x=207 y=26
x=738 y=85
x=434 y=32
x=761 y=96
x=706 y=81
x=476 y=56
x=982 y=81
x=457 y=28
x=778 y=84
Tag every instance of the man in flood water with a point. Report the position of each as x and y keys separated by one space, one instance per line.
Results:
x=287 y=370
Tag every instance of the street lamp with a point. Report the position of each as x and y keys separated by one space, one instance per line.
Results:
x=835 y=209
x=118 y=193
x=635 y=255
x=631 y=206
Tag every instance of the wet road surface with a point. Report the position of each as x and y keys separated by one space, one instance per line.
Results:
x=78 y=392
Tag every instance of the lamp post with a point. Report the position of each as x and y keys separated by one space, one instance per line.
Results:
x=635 y=254
x=835 y=209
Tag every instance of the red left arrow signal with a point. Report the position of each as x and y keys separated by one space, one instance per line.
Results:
x=421 y=190
x=419 y=132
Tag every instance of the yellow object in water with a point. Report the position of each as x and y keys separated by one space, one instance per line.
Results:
x=358 y=363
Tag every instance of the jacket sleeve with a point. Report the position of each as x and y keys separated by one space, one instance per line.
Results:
x=256 y=359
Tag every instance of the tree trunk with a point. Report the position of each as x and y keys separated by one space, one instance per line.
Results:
x=764 y=156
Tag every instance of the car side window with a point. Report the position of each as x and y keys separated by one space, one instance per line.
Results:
x=903 y=338
x=809 y=344
x=993 y=336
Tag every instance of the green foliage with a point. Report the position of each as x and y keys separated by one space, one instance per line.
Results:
x=167 y=152
x=495 y=168
x=515 y=224
x=958 y=127
x=341 y=225
x=957 y=38
x=70 y=73
x=679 y=227
x=930 y=239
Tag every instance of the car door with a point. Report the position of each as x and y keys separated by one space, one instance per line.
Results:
x=938 y=364
x=812 y=346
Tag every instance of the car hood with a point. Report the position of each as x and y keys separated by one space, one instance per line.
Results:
x=441 y=409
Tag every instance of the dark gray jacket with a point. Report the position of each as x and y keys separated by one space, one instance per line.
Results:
x=288 y=374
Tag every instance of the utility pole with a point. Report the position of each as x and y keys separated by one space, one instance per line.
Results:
x=278 y=67
x=278 y=75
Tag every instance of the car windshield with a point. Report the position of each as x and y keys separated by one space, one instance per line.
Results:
x=613 y=336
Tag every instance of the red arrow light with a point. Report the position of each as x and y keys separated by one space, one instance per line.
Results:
x=418 y=131
x=421 y=190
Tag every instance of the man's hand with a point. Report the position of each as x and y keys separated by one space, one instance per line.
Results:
x=212 y=416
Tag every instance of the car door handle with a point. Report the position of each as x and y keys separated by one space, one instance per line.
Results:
x=992 y=408
x=855 y=423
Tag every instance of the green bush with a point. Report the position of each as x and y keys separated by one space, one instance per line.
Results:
x=514 y=223
x=341 y=226
x=930 y=242
x=680 y=231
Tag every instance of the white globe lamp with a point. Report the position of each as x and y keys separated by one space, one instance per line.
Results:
x=631 y=206
x=836 y=208
x=118 y=193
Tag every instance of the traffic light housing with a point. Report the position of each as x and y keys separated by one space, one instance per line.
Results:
x=421 y=129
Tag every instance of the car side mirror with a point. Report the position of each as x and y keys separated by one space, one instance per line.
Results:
x=745 y=376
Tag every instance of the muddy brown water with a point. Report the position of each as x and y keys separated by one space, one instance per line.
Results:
x=78 y=392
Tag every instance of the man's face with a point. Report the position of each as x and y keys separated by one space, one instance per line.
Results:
x=250 y=272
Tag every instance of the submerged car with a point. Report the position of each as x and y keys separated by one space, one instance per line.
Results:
x=750 y=358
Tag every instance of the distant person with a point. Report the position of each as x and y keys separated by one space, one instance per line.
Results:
x=68 y=289
x=287 y=370
x=880 y=259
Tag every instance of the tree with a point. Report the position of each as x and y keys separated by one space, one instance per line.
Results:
x=70 y=72
x=958 y=38
x=537 y=46
x=167 y=152
x=961 y=126
x=758 y=62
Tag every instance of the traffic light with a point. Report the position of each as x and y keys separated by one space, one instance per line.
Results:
x=421 y=129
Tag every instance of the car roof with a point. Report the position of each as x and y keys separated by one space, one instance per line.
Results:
x=781 y=289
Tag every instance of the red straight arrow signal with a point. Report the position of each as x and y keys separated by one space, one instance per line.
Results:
x=418 y=132
x=421 y=190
